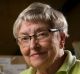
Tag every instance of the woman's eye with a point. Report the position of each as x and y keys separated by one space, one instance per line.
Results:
x=43 y=34
x=25 y=38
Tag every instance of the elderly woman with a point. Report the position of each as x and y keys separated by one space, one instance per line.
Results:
x=40 y=32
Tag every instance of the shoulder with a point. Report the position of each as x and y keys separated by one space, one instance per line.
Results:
x=24 y=72
x=77 y=65
x=28 y=71
x=76 y=68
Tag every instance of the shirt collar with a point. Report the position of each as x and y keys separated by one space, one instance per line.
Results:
x=68 y=63
x=66 y=66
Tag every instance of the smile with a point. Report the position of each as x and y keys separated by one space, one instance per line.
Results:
x=38 y=54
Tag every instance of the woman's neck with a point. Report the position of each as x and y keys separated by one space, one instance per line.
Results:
x=54 y=67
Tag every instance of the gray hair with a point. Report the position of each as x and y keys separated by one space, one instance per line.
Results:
x=39 y=12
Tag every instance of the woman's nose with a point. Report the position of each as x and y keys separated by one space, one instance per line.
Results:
x=33 y=43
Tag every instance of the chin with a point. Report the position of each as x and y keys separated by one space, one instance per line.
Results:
x=37 y=63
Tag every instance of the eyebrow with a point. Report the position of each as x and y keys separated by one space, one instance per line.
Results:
x=41 y=29
x=36 y=31
x=23 y=34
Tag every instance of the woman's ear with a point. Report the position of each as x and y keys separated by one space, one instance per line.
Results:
x=62 y=40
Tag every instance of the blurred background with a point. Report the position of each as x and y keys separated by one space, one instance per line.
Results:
x=10 y=9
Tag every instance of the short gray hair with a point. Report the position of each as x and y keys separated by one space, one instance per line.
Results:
x=42 y=13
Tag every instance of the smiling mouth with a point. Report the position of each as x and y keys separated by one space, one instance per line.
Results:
x=40 y=53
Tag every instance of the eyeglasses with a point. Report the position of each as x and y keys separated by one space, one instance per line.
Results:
x=40 y=36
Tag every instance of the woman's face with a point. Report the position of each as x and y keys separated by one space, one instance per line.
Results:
x=42 y=48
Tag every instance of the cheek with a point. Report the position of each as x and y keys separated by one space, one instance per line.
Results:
x=51 y=49
x=24 y=50
x=48 y=46
x=27 y=59
x=51 y=46
x=56 y=43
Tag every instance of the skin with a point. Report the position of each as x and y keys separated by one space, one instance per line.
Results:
x=46 y=56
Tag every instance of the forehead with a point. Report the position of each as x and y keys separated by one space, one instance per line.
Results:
x=28 y=26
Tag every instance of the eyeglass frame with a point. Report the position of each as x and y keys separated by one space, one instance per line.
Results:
x=35 y=35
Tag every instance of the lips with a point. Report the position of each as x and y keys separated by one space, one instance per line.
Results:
x=39 y=53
